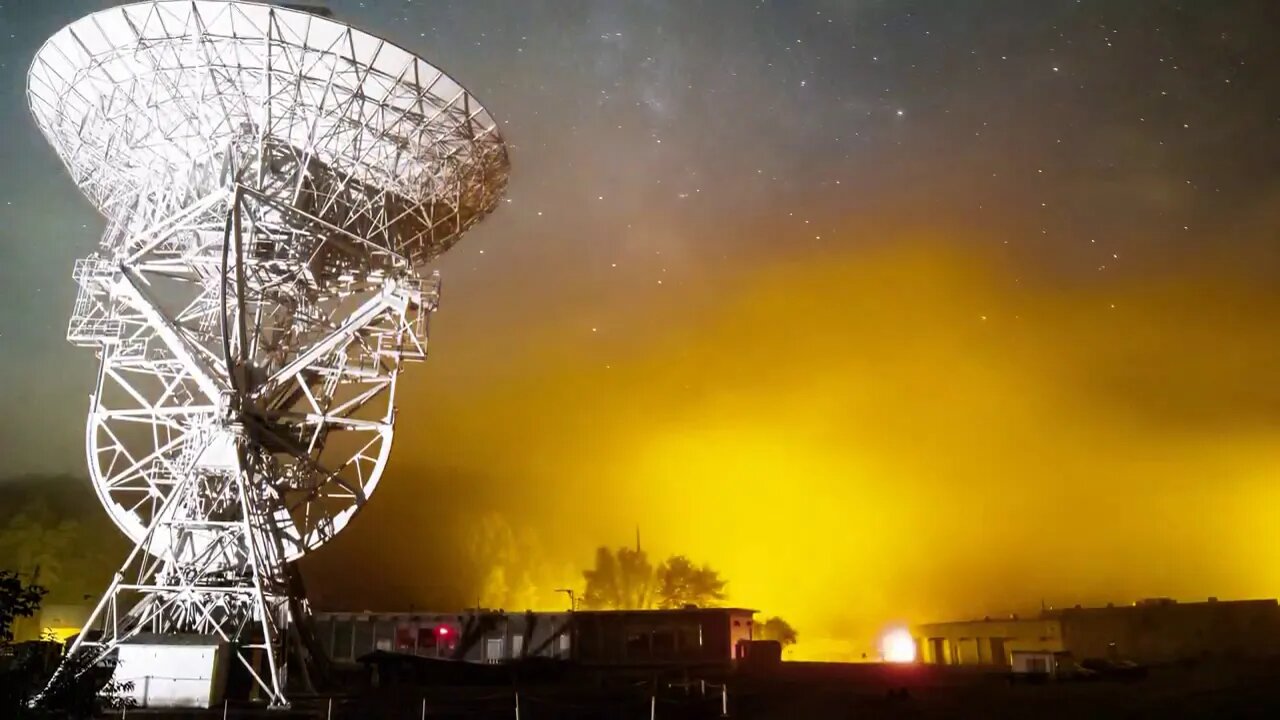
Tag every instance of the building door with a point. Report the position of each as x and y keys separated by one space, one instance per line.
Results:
x=937 y=651
x=493 y=651
x=998 y=655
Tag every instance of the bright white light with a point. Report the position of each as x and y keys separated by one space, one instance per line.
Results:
x=897 y=646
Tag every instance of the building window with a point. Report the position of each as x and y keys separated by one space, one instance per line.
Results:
x=937 y=651
x=324 y=635
x=664 y=643
x=637 y=644
x=342 y=640
x=689 y=639
x=426 y=640
x=998 y=655
x=384 y=636
x=406 y=639
x=363 y=643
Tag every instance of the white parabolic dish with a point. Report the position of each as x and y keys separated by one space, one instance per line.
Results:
x=145 y=100
x=363 y=162
x=276 y=185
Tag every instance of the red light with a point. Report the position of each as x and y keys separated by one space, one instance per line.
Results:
x=443 y=630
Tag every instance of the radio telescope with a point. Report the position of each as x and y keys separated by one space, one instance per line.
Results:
x=276 y=185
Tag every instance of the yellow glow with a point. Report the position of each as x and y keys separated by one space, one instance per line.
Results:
x=847 y=442
x=897 y=646
x=59 y=633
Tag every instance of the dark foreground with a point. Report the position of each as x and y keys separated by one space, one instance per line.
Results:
x=799 y=691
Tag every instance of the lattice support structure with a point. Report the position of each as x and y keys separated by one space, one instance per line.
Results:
x=276 y=185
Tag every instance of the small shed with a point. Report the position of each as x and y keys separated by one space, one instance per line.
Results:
x=172 y=671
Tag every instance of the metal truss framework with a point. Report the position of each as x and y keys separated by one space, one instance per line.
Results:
x=275 y=184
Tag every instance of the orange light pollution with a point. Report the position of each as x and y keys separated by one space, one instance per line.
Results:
x=903 y=434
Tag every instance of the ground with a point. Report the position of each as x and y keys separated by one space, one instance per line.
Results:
x=800 y=691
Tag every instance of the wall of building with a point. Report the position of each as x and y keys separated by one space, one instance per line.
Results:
x=1165 y=632
x=659 y=637
x=741 y=631
x=483 y=636
x=1147 y=632
x=173 y=672
x=641 y=637
x=984 y=642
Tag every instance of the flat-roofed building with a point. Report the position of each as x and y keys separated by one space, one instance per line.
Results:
x=686 y=637
x=1149 y=631
x=481 y=636
x=985 y=642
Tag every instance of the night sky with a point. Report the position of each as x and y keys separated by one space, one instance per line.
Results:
x=890 y=310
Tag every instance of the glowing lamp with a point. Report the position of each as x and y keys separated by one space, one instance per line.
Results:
x=443 y=631
x=897 y=646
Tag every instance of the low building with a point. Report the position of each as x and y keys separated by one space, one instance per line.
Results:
x=1149 y=631
x=985 y=642
x=685 y=637
x=1163 y=630
x=481 y=636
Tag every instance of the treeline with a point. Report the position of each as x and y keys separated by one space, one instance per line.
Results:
x=54 y=531
x=625 y=579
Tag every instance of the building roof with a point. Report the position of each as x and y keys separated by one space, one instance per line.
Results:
x=463 y=614
x=1165 y=604
x=674 y=611
x=1139 y=606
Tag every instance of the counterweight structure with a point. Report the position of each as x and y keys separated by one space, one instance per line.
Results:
x=276 y=185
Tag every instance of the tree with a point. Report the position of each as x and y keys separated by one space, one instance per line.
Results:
x=495 y=555
x=38 y=537
x=508 y=568
x=682 y=583
x=775 y=628
x=620 y=580
x=80 y=689
x=625 y=580
x=17 y=600
x=75 y=554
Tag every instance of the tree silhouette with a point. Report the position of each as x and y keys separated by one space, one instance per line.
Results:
x=496 y=555
x=682 y=583
x=507 y=567
x=82 y=689
x=620 y=580
x=625 y=580
x=38 y=538
x=74 y=550
x=775 y=628
x=18 y=599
